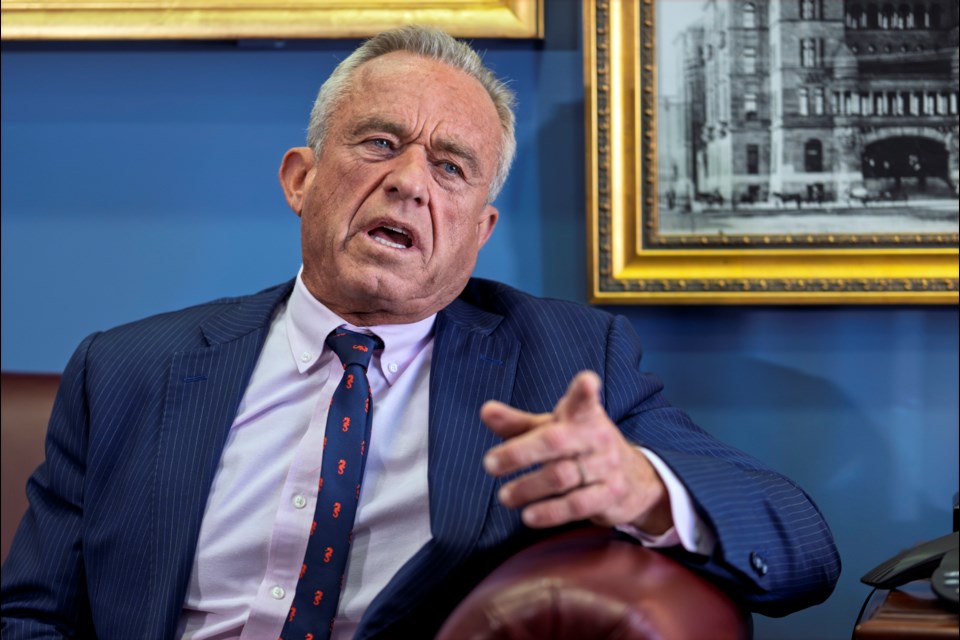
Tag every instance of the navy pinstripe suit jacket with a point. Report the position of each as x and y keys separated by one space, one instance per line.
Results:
x=106 y=548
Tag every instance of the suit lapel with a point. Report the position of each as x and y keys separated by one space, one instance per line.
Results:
x=471 y=364
x=204 y=389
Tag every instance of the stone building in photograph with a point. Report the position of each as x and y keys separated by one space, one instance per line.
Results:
x=789 y=101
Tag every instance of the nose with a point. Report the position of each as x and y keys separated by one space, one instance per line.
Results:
x=409 y=176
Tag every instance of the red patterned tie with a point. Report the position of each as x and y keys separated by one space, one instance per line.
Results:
x=344 y=454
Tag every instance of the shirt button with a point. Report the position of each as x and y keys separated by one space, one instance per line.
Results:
x=392 y=367
x=299 y=502
x=278 y=592
x=306 y=356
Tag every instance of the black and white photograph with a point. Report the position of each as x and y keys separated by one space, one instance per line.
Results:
x=786 y=151
x=800 y=117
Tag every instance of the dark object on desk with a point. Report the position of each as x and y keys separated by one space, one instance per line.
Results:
x=909 y=612
x=585 y=578
x=921 y=561
x=946 y=577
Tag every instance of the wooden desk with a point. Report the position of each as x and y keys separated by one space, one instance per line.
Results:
x=910 y=611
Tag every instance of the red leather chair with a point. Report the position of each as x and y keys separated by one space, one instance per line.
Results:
x=582 y=584
x=26 y=402
x=591 y=584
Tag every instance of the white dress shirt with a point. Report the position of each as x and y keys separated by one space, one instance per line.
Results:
x=256 y=526
x=255 y=529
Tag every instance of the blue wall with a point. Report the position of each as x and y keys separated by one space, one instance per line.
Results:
x=142 y=177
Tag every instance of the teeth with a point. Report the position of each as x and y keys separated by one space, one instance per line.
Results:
x=396 y=230
x=385 y=242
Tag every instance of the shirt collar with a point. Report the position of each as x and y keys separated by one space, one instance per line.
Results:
x=309 y=322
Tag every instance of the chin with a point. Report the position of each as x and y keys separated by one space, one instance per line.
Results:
x=390 y=291
x=402 y=293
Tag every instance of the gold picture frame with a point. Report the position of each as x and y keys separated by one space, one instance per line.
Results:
x=249 y=19
x=631 y=259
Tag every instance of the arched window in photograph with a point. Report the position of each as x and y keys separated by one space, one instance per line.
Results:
x=753 y=159
x=808 y=10
x=904 y=17
x=819 y=102
x=803 y=101
x=880 y=104
x=750 y=60
x=873 y=16
x=916 y=103
x=750 y=105
x=808 y=53
x=886 y=16
x=943 y=103
x=854 y=16
x=813 y=156
x=749 y=15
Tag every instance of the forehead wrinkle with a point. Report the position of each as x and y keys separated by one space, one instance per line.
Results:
x=378 y=123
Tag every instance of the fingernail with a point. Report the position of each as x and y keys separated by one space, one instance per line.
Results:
x=504 y=494
x=530 y=517
x=491 y=464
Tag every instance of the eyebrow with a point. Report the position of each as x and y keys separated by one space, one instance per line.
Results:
x=443 y=145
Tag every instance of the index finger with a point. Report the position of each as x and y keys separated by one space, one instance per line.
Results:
x=539 y=438
x=508 y=422
x=551 y=441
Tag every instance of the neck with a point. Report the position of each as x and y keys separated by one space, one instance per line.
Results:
x=371 y=311
x=377 y=318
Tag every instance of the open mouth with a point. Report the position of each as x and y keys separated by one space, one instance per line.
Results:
x=390 y=236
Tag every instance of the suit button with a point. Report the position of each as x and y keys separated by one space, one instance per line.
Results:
x=758 y=564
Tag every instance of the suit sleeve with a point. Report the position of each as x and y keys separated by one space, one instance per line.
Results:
x=44 y=593
x=773 y=546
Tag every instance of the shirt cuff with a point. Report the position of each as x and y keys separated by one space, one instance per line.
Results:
x=688 y=529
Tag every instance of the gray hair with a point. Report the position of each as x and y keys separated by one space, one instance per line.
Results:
x=429 y=43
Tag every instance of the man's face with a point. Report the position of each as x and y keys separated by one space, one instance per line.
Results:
x=394 y=211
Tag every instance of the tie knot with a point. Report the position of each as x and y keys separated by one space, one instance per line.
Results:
x=352 y=347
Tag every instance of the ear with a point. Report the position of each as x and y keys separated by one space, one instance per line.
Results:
x=488 y=221
x=294 y=175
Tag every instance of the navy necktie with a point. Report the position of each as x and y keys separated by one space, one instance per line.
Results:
x=345 y=446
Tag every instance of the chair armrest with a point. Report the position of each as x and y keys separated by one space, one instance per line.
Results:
x=589 y=583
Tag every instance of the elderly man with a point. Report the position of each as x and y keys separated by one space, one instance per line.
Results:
x=351 y=451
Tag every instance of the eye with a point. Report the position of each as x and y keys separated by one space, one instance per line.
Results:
x=379 y=143
x=450 y=168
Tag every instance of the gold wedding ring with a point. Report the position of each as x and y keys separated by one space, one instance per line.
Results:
x=583 y=474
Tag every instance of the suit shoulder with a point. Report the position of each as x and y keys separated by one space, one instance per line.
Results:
x=525 y=309
x=184 y=328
